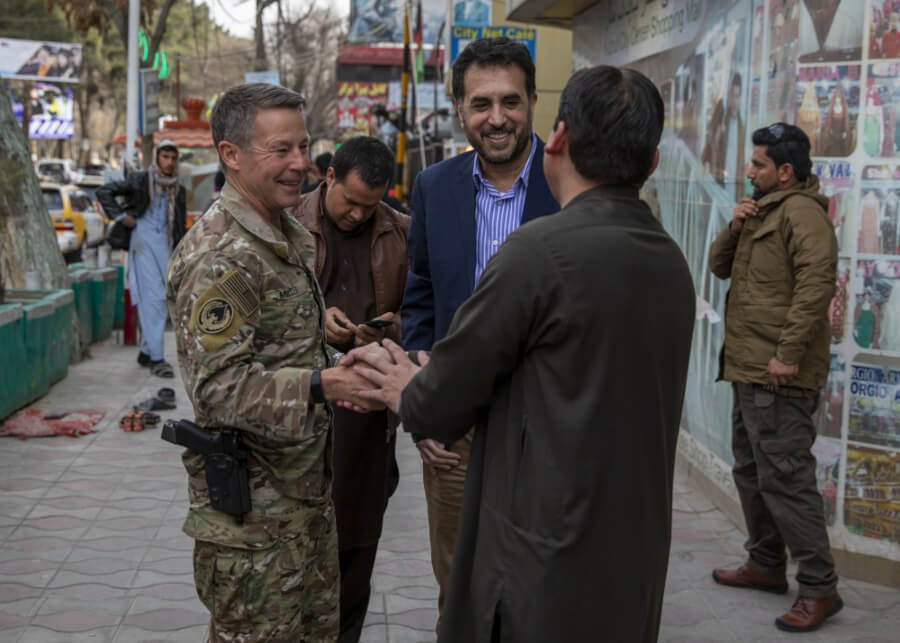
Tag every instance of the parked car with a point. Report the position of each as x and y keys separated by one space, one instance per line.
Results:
x=61 y=171
x=95 y=172
x=95 y=176
x=77 y=222
x=90 y=188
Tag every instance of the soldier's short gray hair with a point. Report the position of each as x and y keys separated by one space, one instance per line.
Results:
x=235 y=110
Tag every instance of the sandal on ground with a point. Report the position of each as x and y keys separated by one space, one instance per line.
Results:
x=133 y=422
x=150 y=420
x=154 y=404
x=143 y=359
x=166 y=395
x=162 y=369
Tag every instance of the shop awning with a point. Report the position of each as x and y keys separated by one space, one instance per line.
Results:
x=552 y=13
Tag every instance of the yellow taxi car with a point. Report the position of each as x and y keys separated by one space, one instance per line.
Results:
x=77 y=222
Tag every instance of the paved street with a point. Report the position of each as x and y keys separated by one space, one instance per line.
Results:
x=93 y=550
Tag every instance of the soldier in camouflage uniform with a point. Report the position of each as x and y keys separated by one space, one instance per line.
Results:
x=248 y=318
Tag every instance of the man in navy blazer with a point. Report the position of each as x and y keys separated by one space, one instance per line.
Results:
x=442 y=243
x=462 y=210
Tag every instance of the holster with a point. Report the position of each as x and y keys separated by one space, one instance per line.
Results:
x=225 y=458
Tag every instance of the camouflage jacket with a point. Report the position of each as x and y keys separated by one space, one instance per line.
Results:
x=249 y=327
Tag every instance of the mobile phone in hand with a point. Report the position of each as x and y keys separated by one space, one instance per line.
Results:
x=377 y=323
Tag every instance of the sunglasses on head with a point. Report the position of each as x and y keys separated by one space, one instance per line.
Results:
x=776 y=130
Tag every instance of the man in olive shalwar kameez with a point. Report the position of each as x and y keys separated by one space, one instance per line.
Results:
x=570 y=358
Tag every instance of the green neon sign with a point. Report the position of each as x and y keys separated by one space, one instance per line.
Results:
x=159 y=58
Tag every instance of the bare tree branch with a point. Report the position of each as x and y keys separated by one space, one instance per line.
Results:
x=159 y=30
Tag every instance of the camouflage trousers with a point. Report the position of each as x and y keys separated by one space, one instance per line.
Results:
x=286 y=594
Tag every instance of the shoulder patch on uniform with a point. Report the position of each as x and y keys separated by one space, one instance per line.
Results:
x=215 y=316
x=239 y=291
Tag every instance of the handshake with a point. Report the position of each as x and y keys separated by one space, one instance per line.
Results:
x=371 y=377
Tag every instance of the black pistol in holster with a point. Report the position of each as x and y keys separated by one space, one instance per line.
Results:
x=226 y=464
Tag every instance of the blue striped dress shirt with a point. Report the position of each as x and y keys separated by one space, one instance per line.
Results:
x=496 y=215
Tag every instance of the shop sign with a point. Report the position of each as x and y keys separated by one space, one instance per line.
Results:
x=354 y=105
x=634 y=29
x=461 y=36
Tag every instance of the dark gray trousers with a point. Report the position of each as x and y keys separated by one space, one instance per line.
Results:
x=775 y=474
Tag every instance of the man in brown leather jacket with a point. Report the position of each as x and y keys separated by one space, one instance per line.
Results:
x=780 y=253
x=361 y=265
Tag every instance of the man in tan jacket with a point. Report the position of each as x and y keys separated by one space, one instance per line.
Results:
x=361 y=265
x=780 y=253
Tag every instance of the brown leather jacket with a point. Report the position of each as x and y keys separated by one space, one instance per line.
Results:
x=390 y=259
x=782 y=268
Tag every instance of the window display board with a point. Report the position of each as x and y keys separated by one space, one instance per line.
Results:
x=831 y=67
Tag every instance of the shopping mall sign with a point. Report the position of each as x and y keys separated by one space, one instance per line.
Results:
x=461 y=36
x=634 y=29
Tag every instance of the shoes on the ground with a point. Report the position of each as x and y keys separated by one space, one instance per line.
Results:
x=154 y=404
x=162 y=369
x=744 y=576
x=136 y=421
x=808 y=614
x=164 y=400
x=143 y=359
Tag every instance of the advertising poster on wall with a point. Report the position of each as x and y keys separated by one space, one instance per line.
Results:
x=872 y=493
x=836 y=183
x=472 y=13
x=828 y=107
x=754 y=118
x=879 y=211
x=374 y=21
x=876 y=318
x=830 y=30
x=828 y=466
x=874 y=416
x=58 y=62
x=837 y=309
x=687 y=87
x=354 y=106
x=724 y=152
x=830 y=413
x=52 y=111
x=884 y=30
x=881 y=119
x=784 y=21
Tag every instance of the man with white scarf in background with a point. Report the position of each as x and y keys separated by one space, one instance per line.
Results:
x=153 y=208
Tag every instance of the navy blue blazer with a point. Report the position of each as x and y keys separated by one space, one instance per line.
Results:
x=442 y=243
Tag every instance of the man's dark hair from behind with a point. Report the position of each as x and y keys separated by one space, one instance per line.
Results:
x=323 y=161
x=235 y=110
x=615 y=120
x=786 y=144
x=492 y=52
x=371 y=158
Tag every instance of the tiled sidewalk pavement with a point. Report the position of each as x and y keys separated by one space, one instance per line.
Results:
x=92 y=548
